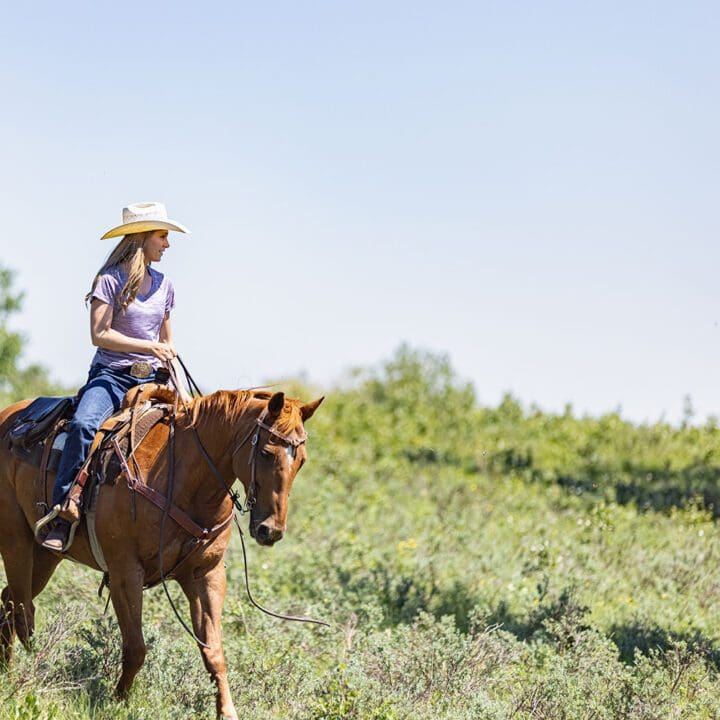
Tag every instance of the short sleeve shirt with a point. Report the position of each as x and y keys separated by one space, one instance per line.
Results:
x=141 y=319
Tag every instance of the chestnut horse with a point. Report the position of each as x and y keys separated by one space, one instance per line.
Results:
x=128 y=528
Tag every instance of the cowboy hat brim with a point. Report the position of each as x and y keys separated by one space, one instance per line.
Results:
x=144 y=226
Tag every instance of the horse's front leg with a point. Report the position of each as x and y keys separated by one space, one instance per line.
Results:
x=126 y=591
x=205 y=591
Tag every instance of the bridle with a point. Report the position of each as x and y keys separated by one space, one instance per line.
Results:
x=288 y=441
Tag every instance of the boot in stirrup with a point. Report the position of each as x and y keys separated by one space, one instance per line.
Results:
x=57 y=538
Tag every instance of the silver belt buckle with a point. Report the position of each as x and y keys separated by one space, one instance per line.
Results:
x=141 y=370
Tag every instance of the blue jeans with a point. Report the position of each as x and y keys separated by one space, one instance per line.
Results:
x=100 y=397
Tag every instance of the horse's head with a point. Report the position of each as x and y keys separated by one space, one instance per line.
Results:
x=270 y=462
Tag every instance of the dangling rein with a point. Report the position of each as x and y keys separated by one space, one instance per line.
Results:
x=237 y=504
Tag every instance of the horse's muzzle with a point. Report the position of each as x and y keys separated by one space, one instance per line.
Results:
x=266 y=534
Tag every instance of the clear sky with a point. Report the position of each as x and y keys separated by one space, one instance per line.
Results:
x=528 y=187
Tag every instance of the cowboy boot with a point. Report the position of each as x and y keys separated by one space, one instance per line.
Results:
x=58 y=535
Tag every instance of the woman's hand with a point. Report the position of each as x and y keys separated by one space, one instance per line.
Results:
x=164 y=351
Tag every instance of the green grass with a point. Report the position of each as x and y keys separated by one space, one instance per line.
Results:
x=474 y=562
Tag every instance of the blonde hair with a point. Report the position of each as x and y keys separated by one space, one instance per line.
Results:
x=129 y=255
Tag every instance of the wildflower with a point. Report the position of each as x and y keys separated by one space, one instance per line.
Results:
x=409 y=544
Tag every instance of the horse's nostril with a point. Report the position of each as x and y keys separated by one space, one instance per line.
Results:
x=267 y=534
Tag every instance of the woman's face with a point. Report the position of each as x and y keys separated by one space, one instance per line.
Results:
x=155 y=245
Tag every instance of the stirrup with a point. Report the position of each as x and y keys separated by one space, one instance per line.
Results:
x=71 y=535
x=44 y=521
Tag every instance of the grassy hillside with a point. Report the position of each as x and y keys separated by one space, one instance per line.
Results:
x=475 y=563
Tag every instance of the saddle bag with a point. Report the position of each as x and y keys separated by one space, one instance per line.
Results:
x=37 y=421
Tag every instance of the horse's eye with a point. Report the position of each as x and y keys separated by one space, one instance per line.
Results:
x=266 y=453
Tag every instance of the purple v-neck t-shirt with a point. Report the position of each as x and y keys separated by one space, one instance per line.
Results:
x=142 y=318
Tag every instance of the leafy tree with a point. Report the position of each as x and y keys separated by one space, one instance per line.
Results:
x=17 y=382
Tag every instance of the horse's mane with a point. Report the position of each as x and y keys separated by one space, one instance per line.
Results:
x=230 y=405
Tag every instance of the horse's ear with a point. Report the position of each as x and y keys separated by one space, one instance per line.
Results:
x=308 y=410
x=275 y=405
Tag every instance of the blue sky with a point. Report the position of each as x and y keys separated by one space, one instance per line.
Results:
x=527 y=187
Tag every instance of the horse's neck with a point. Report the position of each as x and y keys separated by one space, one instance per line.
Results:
x=221 y=437
x=196 y=486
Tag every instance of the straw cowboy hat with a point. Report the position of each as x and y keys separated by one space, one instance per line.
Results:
x=143 y=217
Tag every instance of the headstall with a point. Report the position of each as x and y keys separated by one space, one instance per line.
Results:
x=287 y=440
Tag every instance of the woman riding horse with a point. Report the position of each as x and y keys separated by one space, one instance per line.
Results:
x=130 y=306
x=184 y=471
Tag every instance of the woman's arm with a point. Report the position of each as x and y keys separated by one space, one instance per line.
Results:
x=102 y=334
x=166 y=331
